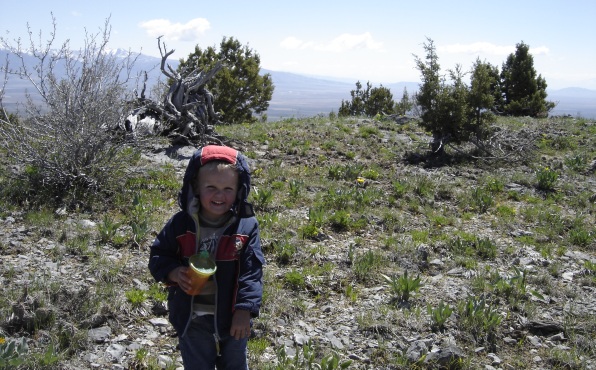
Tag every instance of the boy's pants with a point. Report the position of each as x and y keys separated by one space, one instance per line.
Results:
x=199 y=351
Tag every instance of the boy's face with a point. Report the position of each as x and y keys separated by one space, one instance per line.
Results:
x=217 y=188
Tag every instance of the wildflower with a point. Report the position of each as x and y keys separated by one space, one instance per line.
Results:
x=2 y=340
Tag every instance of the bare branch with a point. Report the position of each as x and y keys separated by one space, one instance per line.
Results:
x=164 y=57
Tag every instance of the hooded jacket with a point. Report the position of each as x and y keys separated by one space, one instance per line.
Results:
x=239 y=258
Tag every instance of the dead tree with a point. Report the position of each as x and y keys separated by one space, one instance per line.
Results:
x=187 y=113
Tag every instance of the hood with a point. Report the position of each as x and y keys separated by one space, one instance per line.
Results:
x=186 y=198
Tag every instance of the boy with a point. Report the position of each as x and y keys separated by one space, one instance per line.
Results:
x=215 y=217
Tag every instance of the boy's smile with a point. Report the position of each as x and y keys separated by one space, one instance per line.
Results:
x=217 y=191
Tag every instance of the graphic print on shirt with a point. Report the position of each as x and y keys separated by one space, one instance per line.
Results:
x=209 y=244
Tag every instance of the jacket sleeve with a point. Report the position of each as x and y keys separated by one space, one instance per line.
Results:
x=164 y=254
x=250 y=280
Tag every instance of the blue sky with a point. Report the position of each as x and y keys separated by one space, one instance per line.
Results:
x=353 y=40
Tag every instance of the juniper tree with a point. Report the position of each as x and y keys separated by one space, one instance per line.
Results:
x=524 y=92
x=405 y=104
x=484 y=93
x=238 y=89
x=437 y=100
x=368 y=102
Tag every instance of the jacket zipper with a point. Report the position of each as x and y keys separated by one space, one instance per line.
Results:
x=195 y=218
x=216 y=336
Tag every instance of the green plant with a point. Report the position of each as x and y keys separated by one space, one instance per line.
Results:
x=12 y=352
x=472 y=245
x=262 y=198
x=494 y=185
x=351 y=293
x=399 y=188
x=365 y=263
x=576 y=163
x=485 y=248
x=43 y=218
x=79 y=245
x=316 y=218
x=439 y=314
x=368 y=131
x=284 y=251
x=482 y=199
x=403 y=286
x=479 y=318
x=295 y=187
x=256 y=348
x=590 y=266
x=305 y=358
x=351 y=254
x=139 y=218
x=546 y=178
x=107 y=229
x=352 y=172
x=506 y=212
x=136 y=297
x=157 y=292
x=370 y=173
x=423 y=187
x=48 y=358
x=335 y=172
x=579 y=234
x=340 y=220
x=295 y=279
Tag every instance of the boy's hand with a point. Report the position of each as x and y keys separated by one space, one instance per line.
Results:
x=180 y=276
x=240 y=324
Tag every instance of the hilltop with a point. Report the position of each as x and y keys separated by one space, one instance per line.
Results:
x=505 y=244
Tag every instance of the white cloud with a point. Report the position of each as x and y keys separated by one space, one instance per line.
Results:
x=75 y=13
x=341 y=43
x=487 y=48
x=188 y=31
x=293 y=43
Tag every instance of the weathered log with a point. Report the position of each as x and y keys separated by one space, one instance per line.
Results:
x=187 y=110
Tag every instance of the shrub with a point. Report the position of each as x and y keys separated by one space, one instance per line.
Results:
x=65 y=145
x=546 y=178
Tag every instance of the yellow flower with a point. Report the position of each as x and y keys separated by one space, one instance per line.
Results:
x=2 y=340
x=360 y=180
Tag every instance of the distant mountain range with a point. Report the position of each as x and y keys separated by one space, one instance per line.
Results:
x=298 y=96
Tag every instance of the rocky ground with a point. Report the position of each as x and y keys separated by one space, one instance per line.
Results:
x=557 y=313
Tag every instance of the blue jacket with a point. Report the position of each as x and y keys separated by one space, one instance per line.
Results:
x=239 y=258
